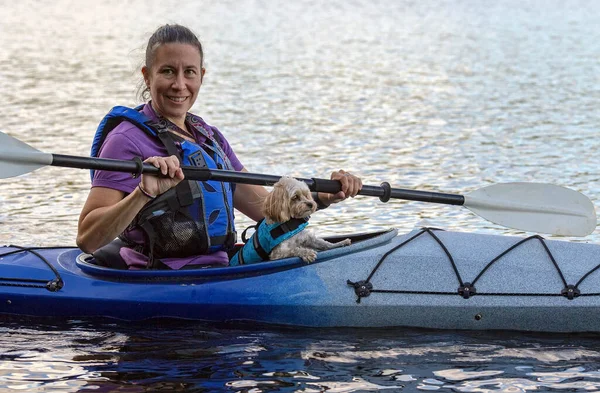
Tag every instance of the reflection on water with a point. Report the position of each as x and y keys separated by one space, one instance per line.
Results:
x=440 y=95
x=572 y=379
x=168 y=356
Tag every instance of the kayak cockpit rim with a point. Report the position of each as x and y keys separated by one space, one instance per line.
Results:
x=360 y=242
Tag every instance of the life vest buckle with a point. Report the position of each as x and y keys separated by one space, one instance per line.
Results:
x=230 y=240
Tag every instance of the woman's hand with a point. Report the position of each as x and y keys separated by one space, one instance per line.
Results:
x=170 y=168
x=107 y=212
x=351 y=185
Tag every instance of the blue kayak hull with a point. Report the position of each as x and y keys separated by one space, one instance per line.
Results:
x=426 y=278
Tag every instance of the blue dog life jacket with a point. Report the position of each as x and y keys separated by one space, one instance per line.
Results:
x=265 y=239
x=193 y=218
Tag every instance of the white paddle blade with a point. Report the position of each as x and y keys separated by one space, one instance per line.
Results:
x=535 y=207
x=18 y=158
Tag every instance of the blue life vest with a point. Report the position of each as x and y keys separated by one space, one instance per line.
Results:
x=193 y=218
x=265 y=239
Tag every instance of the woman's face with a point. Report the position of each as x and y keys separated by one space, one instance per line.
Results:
x=174 y=80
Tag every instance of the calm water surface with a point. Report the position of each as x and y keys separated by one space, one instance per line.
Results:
x=446 y=96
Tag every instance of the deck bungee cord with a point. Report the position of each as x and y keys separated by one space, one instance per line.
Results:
x=53 y=285
x=466 y=290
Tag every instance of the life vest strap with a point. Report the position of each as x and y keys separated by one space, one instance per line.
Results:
x=287 y=226
x=264 y=255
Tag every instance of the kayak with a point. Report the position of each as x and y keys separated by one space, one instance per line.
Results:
x=428 y=278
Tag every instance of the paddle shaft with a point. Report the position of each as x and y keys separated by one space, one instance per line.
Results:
x=318 y=185
x=533 y=207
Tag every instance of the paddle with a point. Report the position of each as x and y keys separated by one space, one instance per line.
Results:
x=534 y=207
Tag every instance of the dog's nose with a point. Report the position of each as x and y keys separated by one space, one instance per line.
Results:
x=311 y=204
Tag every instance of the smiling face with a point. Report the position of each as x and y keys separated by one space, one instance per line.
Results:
x=174 y=78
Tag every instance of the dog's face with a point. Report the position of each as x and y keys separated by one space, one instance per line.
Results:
x=290 y=198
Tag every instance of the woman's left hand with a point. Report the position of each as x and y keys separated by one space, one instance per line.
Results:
x=351 y=185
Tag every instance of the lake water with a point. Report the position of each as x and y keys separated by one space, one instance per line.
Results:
x=446 y=96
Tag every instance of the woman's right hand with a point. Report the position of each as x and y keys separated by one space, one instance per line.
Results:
x=107 y=212
x=170 y=168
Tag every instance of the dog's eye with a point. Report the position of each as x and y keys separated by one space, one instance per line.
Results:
x=295 y=198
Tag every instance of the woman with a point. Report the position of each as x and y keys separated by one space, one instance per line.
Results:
x=166 y=222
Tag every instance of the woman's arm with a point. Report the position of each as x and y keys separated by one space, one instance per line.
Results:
x=107 y=212
x=249 y=198
x=105 y=215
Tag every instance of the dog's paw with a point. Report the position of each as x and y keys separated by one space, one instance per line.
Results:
x=346 y=242
x=309 y=256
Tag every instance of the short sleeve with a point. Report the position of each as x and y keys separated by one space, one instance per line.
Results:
x=119 y=145
x=228 y=150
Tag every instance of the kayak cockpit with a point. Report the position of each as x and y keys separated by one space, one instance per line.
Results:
x=75 y=259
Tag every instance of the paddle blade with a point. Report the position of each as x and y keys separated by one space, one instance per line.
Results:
x=535 y=207
x=18 y=158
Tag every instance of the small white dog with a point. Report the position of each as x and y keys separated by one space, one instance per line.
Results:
x=291 y=198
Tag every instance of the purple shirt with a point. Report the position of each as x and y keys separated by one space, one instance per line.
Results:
x=127 y=141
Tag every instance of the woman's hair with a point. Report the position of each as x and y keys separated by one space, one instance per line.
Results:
x=167 y=34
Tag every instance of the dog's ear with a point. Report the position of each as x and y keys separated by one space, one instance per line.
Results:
x=276 y=207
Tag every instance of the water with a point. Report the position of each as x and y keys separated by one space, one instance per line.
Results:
x=81 y=356
x=446 y=96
